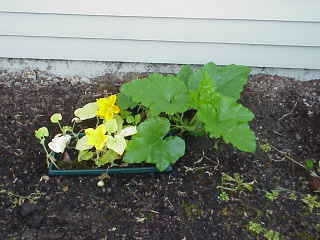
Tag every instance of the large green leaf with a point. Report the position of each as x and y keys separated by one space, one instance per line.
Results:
x=227 y=80
x=223 y=116
x=159 y=93
x=185 y=73
x=227 y=119
x=125 y=102
x=150 y=145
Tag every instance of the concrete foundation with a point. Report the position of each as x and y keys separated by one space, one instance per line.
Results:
x=88 y=70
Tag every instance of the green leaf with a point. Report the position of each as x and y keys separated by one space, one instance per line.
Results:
x=124 y=114
x=87 y=111
x=55 y=118
x=108 y=157
x=41 y=133
x=159 y=93
x=272 y=235
x=167 y=152
x=227 y=80
x=85 y=155
x=229 y=120
x=125 y=102
x=185 y=73
x=309 y=164
x=130 y=119
x=223 y=116
x=137 y=119
x=149 y=144
x=203 y=93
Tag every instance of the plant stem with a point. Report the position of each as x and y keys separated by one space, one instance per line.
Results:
x=193 y=119
x=61 y=129
x=48 y=155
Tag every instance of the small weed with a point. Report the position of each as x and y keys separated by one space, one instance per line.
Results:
x=311 y=202
x=273 y=195
x=17 y=200
x=234 y=183
x=255 y=227
x=224 y=196
x=292 y=196
x=271 y=235
x=265 y=147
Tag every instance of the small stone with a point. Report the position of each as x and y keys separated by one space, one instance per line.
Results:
x=65 y=188
x=100 y=183
x=44 y=178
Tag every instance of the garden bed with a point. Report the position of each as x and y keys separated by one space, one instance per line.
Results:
x=183 y=204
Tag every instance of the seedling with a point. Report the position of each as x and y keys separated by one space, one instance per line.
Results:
x=273 y=195
x=256 y=228
x=311 y=202
x=17 y=200
x=292 y=196
x=224 y=196
x=234 y=184
x=271 y=235
x=265 y=147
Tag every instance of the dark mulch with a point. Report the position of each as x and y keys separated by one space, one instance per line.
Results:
x=180 y=205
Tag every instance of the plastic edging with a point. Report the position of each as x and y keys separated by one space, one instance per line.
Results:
x=134 y=170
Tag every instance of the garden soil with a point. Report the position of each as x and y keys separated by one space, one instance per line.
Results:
x=184 y=204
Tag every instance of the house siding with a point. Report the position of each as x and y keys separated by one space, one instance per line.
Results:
x=78 y=30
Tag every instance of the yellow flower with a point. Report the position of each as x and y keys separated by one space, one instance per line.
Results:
x=107 y=107
x=96 y=137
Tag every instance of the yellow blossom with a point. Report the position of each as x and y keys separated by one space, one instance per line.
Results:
x=96 y=137
x=107 y=107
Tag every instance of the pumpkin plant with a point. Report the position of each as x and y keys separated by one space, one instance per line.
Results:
x=200 y=102
x=144 y=122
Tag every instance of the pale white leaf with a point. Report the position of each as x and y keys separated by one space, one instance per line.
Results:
x=82 y=144
x=87 y=111
x=128 y=131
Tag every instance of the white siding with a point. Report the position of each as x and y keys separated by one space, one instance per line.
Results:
x=282 y=33
x=291 y=10
x=162 y=29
